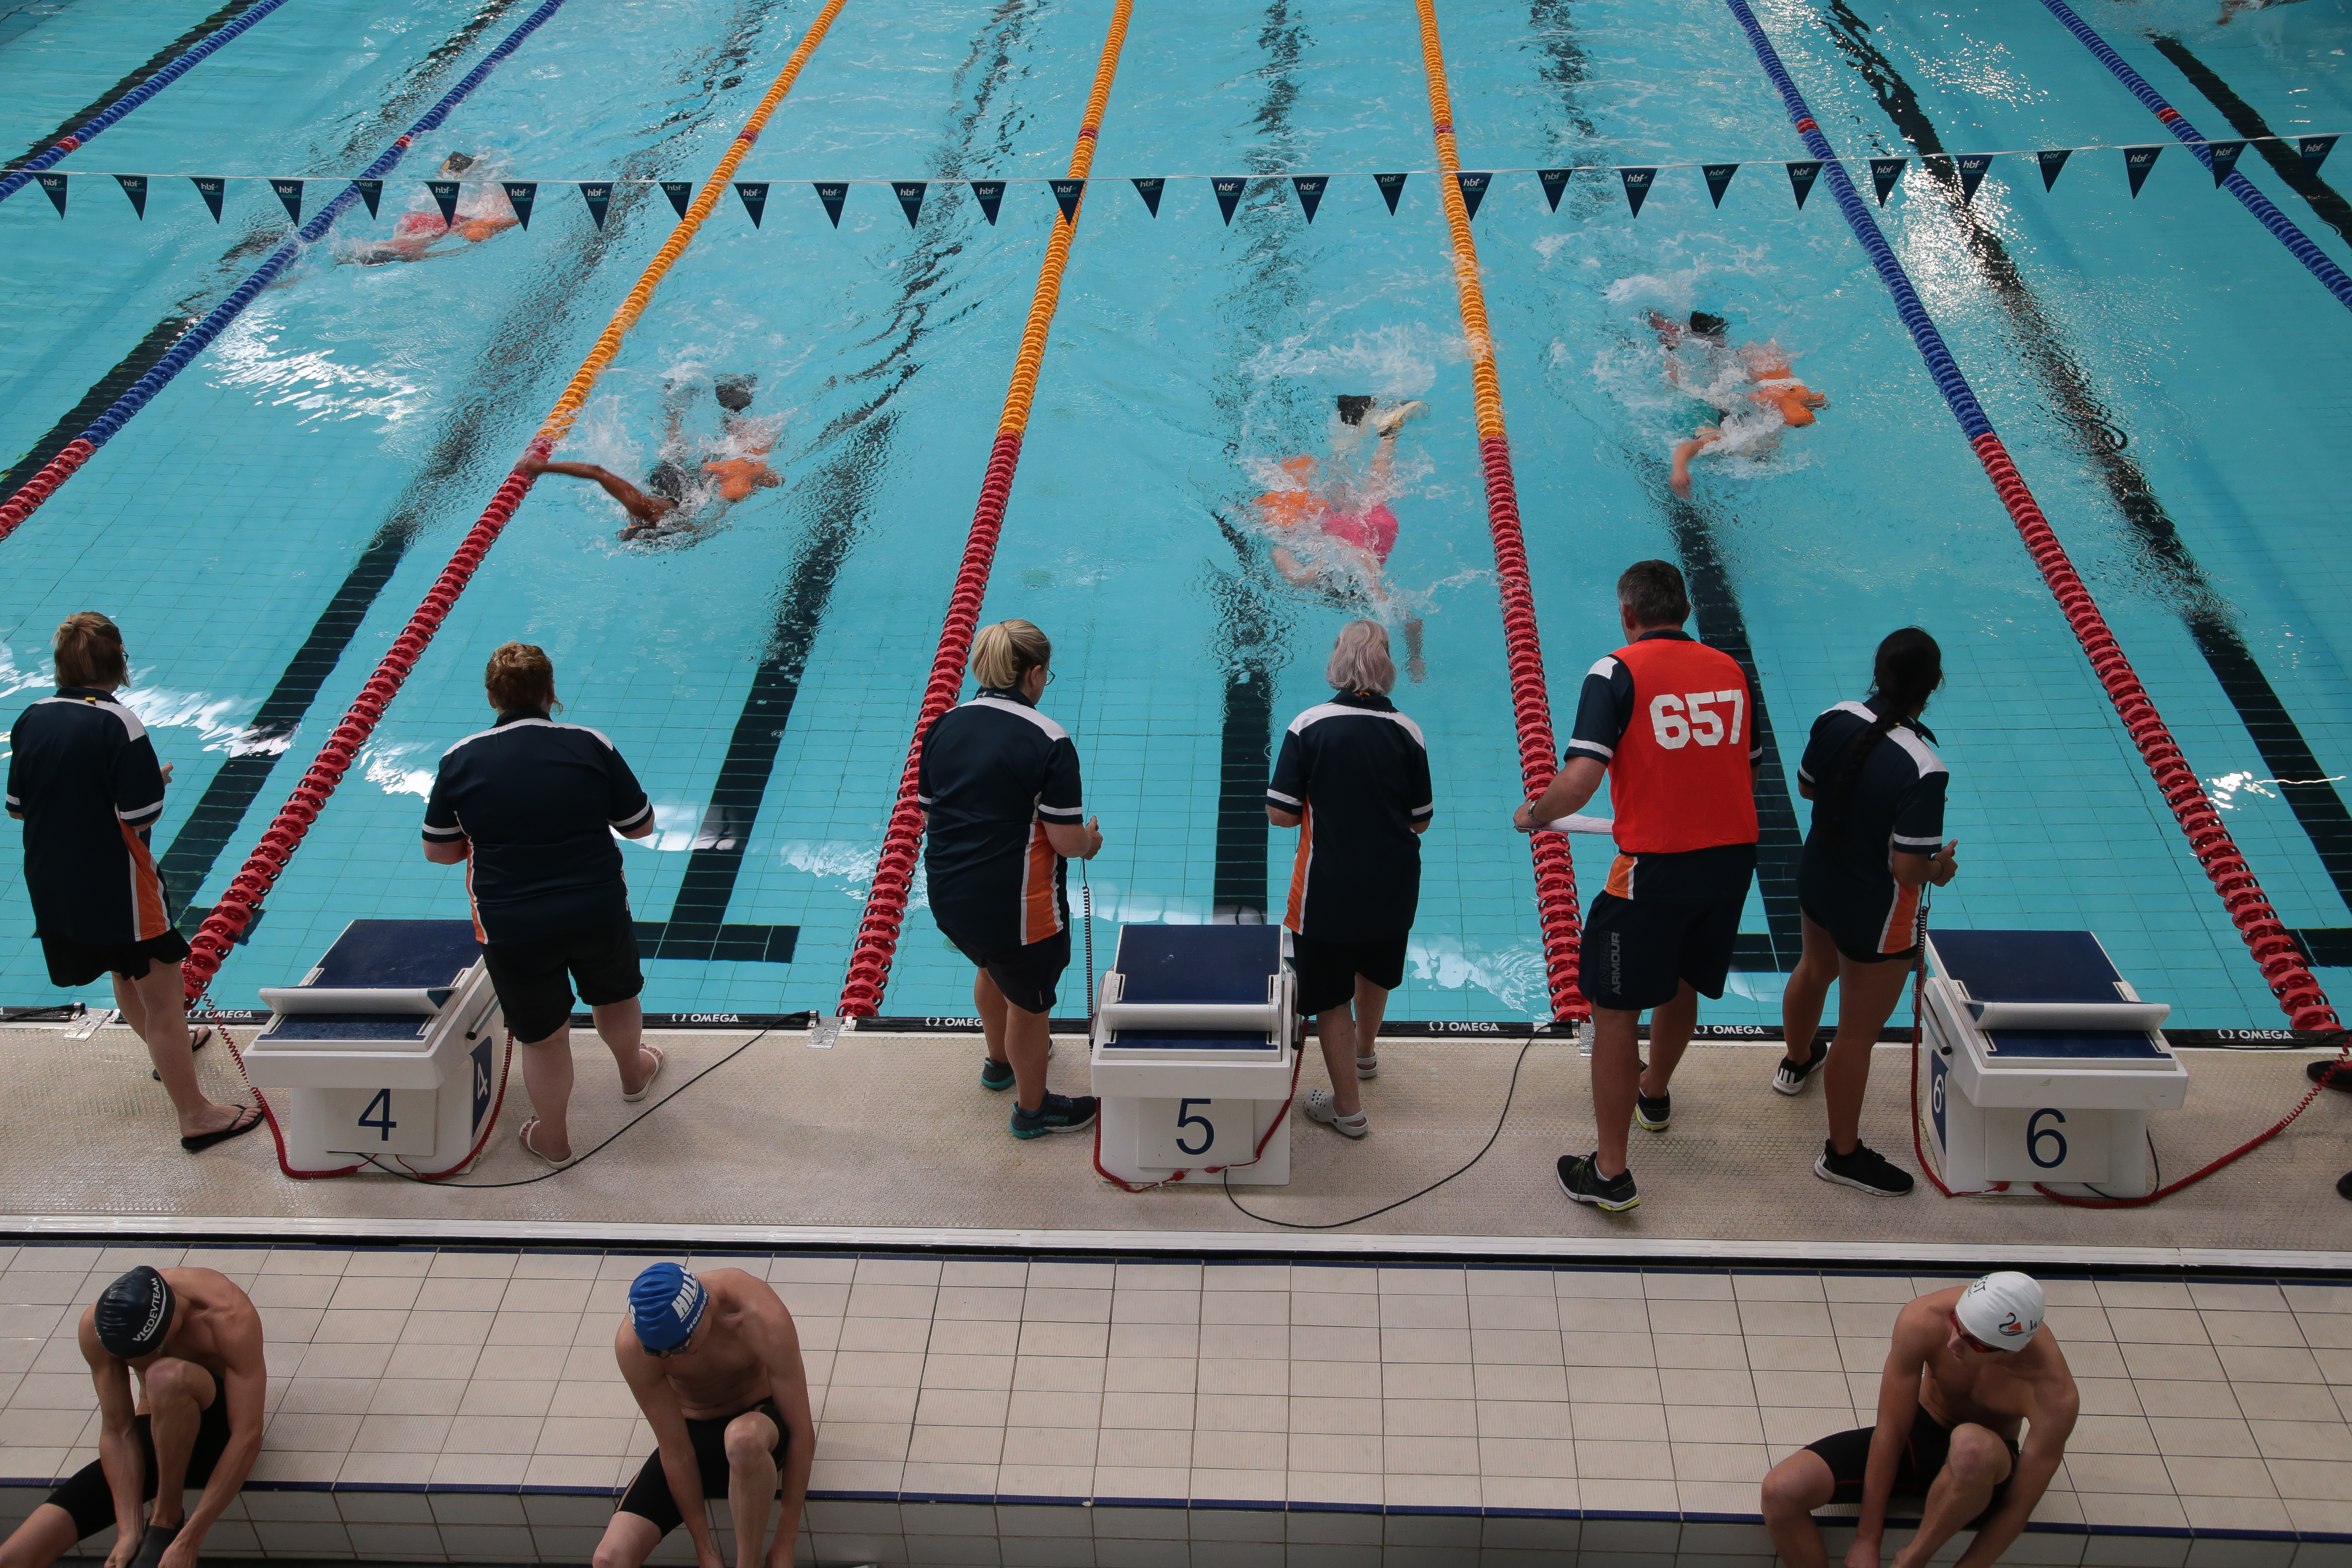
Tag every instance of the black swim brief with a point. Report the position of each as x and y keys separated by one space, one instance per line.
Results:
x=86 y=1497
x=649 y=1496
x=1847 y=1453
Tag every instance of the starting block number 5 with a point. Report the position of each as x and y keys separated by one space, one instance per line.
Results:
x=1175 y=1133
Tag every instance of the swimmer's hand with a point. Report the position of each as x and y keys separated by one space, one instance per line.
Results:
x=1863 y=1552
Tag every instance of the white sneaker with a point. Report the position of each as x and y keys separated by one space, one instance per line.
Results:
x=1318 y=1106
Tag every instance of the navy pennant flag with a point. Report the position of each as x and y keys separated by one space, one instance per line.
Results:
x=371 y=191
x=753 y=195
x=833 y=196
x=2052 y=162
x=1150 y=191
x=2137 y=162
x=55 y=184
x=1474 y=191
x=1718 y=178
x=989 y=194
x=290 y=192
x=1555 y=183
x=681 y=193
x=1972 y=173
x=910 y=198
x=1884 y=173
x=2315 y=151
x=520 y=194
x=598 y=195
x=1066 y=195
x=445 y=196
x=1637 y=186
x=2225 y=158
x=1392 y=187
x=1801 y=179
x=211 y=190
x=1229 y=193
x=1310 y=191
x=135 y=187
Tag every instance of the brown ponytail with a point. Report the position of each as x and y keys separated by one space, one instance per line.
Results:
x=90 y=652
x=520 y=675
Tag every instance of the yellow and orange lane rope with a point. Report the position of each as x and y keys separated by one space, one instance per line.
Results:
x=1556 y=907
x=894 y=873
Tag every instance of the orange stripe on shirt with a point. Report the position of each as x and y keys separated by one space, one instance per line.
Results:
x=146 y=887
x=1901 y=927
x=1041 y=917
x=1296 y=918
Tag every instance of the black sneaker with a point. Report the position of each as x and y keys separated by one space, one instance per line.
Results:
x=995 y=1074
x=1055 y=1113
x=2330 y=1073
x=1790 y=1078
x=1580 y=1178
x=1654 y=1113
x=1865 y=1170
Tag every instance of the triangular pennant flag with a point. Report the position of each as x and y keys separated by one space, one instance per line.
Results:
x=910 y=198
x=753 y=195
x=2052 y=162
x=1066 y=195
x=1150 y=191
x=1637 y=186
x=1972 y=173
x=1310 y=191
x=211 y=189
x=989 y=194
x=2137 y=162
x=371 y=191
x=1884 y=173
x=1229 y=192
x=1719 y=178
x=1474 y=191
x=1555 y=183
x=444 y=196
x=290 y=192
x=135 y=187
x=520 y=195
x=2315 y=151
x=1801 y=179
x=598 y=195
x=1391 y=186
x=2225 y=158
x=681 y=193
x=55 y=184
x=833 y=194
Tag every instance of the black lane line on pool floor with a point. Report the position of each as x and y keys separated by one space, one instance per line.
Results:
x=2282 y=156
x=129 y=84
x=2202 y=605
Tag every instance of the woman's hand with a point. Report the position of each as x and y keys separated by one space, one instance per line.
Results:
x=1944 y=867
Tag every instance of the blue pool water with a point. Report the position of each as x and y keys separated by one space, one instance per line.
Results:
x=2170 y=381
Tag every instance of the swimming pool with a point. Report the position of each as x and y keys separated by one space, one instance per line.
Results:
x=2163 y=371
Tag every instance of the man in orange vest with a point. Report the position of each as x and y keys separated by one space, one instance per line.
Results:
x=1667 y=720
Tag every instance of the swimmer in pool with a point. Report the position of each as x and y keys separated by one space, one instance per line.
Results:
x=481 y=213
x=1351 y=526
x=1765 y=395
x=734 y=467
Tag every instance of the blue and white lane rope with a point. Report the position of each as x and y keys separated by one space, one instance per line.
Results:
x=191 y=343
x=2331 y=277
x=81 y=135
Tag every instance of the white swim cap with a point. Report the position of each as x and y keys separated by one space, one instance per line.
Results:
x=2002 y=1309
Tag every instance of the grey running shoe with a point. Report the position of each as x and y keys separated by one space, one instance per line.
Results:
x=1055 y=1113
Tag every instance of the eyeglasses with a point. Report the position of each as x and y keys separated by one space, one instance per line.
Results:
x=1970 y=1340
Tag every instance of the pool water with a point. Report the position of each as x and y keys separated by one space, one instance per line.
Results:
x=2169 y=378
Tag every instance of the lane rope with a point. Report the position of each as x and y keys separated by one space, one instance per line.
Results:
x=2272 y=946
x=89 y=129
x=244 y=892
x=2331 y=277
x=894 y=871
x=1556 y=902
x=194 y=340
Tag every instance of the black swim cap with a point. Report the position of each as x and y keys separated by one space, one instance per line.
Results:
x=1353 y=406
x=134 y=1313
x=457 y=162
x=734 y=391
x=1709 y=326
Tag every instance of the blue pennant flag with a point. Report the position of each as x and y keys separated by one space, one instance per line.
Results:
x=910 y=198
x=681 y=193
x=1310 y=191
x=598 y=195
x=1229 y=189
x=2225 y=158
x=1718 y=178
x=1065 y=196
x=833 y=194
x=520 y=195
x=989 y=194
x=753 y=195
x=1637 y=186
x=1150 y=191
x=55 y=184
x=1474 y=191
x=1972 y=173
x=1555 y=183
x=444 y=196
x=1884 y=173
x=2137 y=162
x=2315 y=151
x=1801 y=177
x=135 y=187
x=211 y=189
x=2052 y=161
x=290 y=192
x=371 y=191
x=1392 y=187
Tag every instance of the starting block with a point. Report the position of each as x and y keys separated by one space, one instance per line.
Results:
x=1194 y=1046
x=389 y=1047
x=2042 y=1062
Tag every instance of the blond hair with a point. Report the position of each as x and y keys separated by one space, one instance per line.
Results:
x=1003 y=654
x=520 y=675
x=90 y=651
x=1359 y=659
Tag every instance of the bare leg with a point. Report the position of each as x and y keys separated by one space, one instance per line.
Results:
x=990 y=1003
x=1337 y=1030
x=178 y=1394
x=155 y=1006
x=751 y=1483
x=1616 y=1071
x=1670 y=1036
x=40 y=1541
x=1027 y=1038
x=629 y=1539
x=1807 y=989
x=1977 y=1463
x=1792 y=1489
x=621 y=1027
x=1290 y=566
x=1867 y=996
x=1371 y=1006
x=547 y=1073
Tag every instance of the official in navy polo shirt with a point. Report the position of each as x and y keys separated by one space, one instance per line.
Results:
x=529 y=807
x=84 y=781
x=1354 y=777
x=998 y=784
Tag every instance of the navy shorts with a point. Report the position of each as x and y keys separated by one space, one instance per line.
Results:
x=534 y=979
x=1026 y=976
x=1327 y=971
x=73 y=964
x=1638 y=951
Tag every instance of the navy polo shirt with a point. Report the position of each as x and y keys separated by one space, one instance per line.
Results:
x=83 y=775
x=994 y=771
x=1356 y=772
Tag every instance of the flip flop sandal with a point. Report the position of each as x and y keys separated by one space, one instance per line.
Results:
x=523 y=1136
x=248 y=1117
x=198 y=1038
x=660 y=1061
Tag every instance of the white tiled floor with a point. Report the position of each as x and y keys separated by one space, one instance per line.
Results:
x=1032 y=1385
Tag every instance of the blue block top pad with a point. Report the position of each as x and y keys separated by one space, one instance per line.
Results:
x=2077 y=1045
x=2028 y=965
x=398 y=955
x=351 y=1028
x=1199 y=963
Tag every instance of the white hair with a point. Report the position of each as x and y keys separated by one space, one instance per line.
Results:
x=1359 y=659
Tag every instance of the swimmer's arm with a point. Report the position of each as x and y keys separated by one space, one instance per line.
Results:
x=1916 y=1335
x=124 y=1466
x=659 y=1401
x=2045 y=1447
x=1577 y=781
x=639 y=505
x=246 y=1387
x=780 y=1350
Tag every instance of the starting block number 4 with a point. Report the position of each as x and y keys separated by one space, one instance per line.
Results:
x=381 y=1120
x=1183 y=1134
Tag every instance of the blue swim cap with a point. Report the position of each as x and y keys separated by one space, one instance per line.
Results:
x=666 y=1303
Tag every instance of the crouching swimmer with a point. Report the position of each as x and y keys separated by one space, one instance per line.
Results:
x=195 y=1339
x=715 y=1364
x=1970 y=1366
